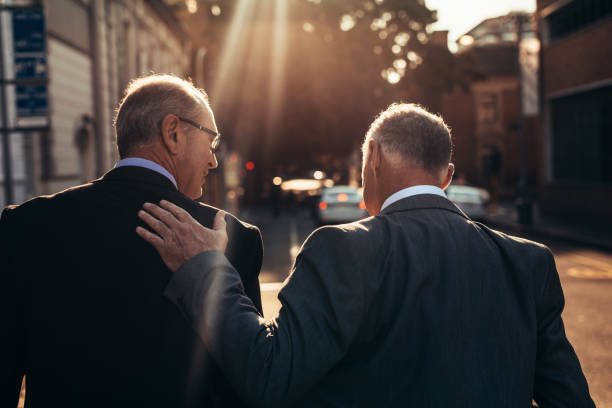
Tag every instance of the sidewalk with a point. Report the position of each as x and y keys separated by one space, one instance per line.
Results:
x=579 y=233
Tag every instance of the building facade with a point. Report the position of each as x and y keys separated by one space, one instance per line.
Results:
x=93 y=49
x=576 y=89
x=486 y=117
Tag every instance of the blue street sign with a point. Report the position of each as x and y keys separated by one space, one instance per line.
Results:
x=31 y=100
x=30 y=62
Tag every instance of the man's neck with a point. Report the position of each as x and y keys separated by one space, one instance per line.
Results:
x=396 y=180
x=156 y=157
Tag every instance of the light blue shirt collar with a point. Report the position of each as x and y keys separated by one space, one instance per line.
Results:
x=147 y=164
x=412 y=191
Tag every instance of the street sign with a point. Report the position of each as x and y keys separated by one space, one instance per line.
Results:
x=30 y=64
x=29 y=44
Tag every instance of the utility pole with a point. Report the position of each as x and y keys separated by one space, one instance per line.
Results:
x=6 y=147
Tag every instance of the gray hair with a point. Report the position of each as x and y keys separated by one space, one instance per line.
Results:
x=408 y=132
x=147 y=100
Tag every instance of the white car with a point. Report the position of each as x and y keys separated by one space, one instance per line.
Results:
x=472 y=200
x=340 y=204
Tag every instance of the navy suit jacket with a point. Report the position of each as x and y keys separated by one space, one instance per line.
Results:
x=416 y=307
x=82 y=312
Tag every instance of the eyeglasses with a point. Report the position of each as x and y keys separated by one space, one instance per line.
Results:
x=214 y=145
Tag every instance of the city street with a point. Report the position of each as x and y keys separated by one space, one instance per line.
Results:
x=586 y=276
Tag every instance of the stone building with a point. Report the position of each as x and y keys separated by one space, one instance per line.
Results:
x=93 y=48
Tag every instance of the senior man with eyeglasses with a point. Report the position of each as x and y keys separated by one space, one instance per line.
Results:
x=83 y=313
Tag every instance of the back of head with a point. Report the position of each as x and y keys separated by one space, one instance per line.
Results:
x=147 y=100
x=409 y=134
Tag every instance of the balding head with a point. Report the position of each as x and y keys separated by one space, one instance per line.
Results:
x=147 y=101
x=405 y=146
x=407 y=133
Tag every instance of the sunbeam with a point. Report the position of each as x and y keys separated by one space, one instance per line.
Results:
x=232 y=49
x=276 y=82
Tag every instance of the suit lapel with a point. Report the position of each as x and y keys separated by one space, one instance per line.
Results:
x=423 y=202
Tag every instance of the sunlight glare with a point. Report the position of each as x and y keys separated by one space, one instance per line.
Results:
x=308 y=27
x=192 y=6
x=277 y=71
x=400 y=63
x=466 y=40
x=347 y=22
x=233 y=48
x=415 y=26
x=402 y=39
x=393 y=77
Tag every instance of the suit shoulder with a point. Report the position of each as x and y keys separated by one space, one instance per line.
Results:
x=347 y=236
x=517 y=244
x=199 y=206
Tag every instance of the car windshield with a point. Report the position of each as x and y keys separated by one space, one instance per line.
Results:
x=340 y=194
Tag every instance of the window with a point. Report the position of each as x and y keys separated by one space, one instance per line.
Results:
x=576 y=15
x=582 y=137
x=487 y=109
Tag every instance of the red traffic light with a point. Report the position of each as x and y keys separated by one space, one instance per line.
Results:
x=249 y=165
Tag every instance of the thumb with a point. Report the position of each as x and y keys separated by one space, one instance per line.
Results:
x=219 y=222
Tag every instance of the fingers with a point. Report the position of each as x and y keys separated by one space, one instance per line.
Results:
x=177 y=211
x=161 y=214
x=151 y=238
x=219 y=222
x=158 y=226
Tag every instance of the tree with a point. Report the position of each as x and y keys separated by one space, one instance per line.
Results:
x=345 y=61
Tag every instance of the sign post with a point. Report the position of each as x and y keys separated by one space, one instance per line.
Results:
x=23 y=79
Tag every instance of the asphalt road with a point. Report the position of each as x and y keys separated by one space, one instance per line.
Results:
x=586 y=277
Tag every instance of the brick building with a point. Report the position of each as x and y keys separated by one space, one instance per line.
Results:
x=485 y=116
x=576 y=89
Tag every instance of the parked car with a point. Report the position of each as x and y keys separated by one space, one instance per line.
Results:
x=340 y=204
x=472 y=200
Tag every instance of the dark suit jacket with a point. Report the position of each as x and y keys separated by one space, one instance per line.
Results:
x=416 y=307
x=83 y=314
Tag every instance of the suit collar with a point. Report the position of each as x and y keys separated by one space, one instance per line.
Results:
x=421 y=202
x=139 y=175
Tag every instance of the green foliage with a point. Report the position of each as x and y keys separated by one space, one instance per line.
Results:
x=344 y=61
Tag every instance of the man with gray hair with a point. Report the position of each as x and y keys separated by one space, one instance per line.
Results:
x=83 y=313
x=416 y=306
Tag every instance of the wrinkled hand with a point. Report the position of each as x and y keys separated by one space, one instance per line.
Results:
x=179 y=236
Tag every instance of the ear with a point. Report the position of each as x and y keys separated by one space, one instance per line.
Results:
x=375 y=153
x=170 y=128
x=448 y=177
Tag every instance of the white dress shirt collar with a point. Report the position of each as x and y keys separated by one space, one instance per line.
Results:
x=147 y=164
x=411 y=191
